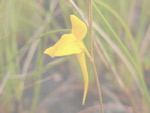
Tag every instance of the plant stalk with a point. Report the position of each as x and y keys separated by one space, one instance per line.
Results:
x=91 y=52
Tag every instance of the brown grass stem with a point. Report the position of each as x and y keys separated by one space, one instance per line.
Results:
x=91 y=51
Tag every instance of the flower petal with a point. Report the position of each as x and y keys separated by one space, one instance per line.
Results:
x=79 y=28
x=82 y=61
x=65 y=46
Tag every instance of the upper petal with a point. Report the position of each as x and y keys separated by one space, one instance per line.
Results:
x=79 y=28
x=65 y=46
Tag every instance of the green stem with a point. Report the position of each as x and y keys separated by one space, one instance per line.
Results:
x=30 y=42
x=135 y=62
x=91 y=51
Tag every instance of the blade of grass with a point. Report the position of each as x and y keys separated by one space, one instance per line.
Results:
x=104 y=55
x=136 y=64
x=90 y=20
x=125 y=51
x=29 y=43
x=37 y=78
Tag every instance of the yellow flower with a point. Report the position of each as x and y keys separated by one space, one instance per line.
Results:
x=73 y=44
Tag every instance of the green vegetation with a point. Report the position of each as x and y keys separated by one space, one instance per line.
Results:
x=120 y=45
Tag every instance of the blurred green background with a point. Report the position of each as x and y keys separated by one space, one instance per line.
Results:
x=32 y=82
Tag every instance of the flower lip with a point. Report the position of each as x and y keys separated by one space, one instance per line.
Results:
x=66 y=45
